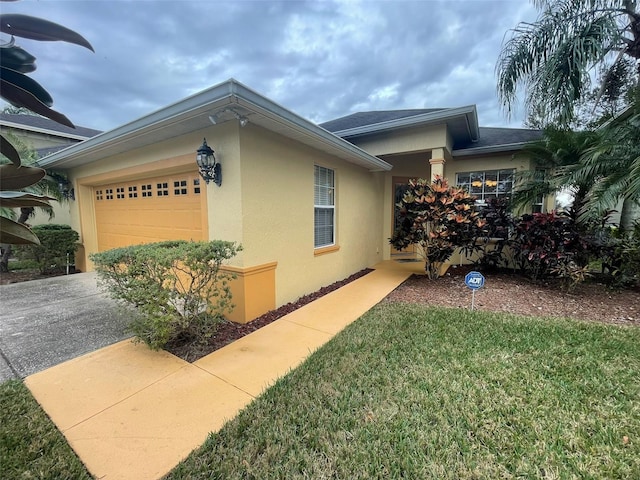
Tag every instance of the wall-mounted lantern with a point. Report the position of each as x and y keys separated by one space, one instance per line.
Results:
x=210 y=169
x=66 y=190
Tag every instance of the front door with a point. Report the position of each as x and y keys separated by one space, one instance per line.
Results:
x=400 y=186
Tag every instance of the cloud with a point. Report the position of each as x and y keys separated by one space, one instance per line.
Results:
x=321 y=60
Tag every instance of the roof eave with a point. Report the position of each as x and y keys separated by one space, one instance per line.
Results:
x=257 y=103
x=469 y=112
x=507 y=147
x=46 y=131
x=134 y=128
x=218 y=96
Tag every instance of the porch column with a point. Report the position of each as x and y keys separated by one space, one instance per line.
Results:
x=437 y=162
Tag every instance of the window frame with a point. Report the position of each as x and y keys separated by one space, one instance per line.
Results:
x=330 y=206
x=482 y=196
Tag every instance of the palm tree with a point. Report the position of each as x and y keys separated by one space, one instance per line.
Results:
x=614 y=161
x=552 y=59
x=555 y=155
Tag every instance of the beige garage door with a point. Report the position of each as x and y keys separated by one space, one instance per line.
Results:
x=149 y=210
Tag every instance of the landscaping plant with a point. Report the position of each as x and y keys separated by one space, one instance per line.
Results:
x=493 y=240
x=619 y=253
x=438 y=218
x=20 y=90
x=178 y=287
x=58 y=245
x=546 y=244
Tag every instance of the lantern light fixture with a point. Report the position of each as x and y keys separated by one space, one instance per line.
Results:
x=66 y=190
x=209 y=168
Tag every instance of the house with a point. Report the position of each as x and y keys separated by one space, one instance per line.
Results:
x=42 y=134
x=311 y=204
x=45 y=137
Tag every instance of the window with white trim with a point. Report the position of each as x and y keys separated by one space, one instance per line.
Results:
x=487 y=184
x=538 y=204
x=324 y=207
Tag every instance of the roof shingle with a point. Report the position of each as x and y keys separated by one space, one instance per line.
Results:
x=35 y=121
x=360 y=119
x=489 y=136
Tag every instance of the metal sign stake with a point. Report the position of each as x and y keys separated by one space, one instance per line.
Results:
x=474 y=280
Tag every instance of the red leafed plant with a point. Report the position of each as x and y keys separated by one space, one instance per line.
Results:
x=438 y=218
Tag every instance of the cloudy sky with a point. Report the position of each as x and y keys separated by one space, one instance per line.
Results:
x=320 y=59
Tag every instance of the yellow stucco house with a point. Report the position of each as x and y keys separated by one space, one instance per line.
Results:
x=310 y=204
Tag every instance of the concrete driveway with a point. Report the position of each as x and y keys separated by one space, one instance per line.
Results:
x=46 y=322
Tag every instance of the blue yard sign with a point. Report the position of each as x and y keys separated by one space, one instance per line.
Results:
x=474 y=280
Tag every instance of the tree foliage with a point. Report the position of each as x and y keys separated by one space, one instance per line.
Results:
x=614 y=162
x=556 y=155
x=57 y=248
x=552 y=58
x=22 y=91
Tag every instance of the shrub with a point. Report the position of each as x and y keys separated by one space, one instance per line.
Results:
x=437 y=217
x=58 y=245
x=178 y=287
x=546 y=244
x=619 y=254
x=492 y=241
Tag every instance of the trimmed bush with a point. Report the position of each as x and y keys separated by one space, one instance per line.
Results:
x=178 y=287
x=58 y=244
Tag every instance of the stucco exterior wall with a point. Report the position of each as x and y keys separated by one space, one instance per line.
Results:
x=61 y=212
x=414 y=165
x=265 y=203
x=278 y=213
x=409 y=140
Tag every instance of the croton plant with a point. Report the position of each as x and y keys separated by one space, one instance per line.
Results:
x=438 y=218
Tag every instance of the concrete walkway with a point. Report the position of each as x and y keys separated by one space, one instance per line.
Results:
x=131 y=413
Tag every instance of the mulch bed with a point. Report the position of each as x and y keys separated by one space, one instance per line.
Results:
x=228 y=332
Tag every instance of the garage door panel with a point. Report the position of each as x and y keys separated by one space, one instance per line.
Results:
x=149 y=210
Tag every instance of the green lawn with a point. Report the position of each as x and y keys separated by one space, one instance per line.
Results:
x=415 y=393
x=31 y=447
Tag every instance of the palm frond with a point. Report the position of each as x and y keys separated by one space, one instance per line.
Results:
x=551 y=59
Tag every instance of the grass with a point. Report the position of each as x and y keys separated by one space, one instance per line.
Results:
x=410 y=392
x=417 y=392
x=31 y=447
